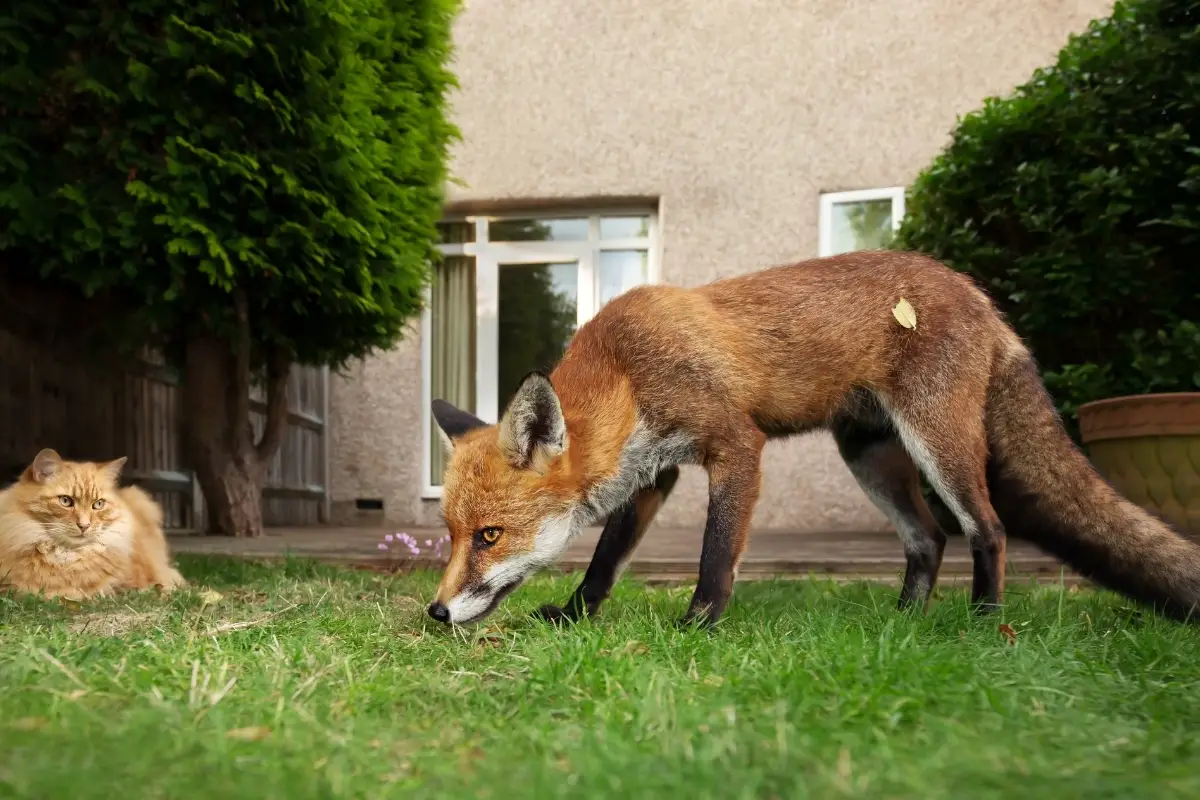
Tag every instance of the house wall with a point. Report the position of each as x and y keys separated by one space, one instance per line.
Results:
x=736 y=116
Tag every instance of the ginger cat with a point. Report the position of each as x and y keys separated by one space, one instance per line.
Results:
x=68 y=530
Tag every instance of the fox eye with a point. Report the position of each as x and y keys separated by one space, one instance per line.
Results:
x=65 y=500
x=99 y=504
x=490 y=535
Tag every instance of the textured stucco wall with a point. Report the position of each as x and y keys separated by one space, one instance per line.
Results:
x=737 y=115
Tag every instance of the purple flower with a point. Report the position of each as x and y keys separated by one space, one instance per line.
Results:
x=428 y=542
x=388 y=538
x=382 y=546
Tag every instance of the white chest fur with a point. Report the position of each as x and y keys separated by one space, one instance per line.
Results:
x=646 y=453
x=65 y=556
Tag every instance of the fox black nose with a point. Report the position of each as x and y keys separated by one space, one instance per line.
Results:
x=439 y=612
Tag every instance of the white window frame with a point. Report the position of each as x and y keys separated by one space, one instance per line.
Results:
x=830 y=199
x=488 y=258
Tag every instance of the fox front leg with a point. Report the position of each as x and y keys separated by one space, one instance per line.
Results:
x=618 y=540
x=734 y=479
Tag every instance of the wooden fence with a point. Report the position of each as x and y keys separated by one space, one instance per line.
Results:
x=55 y=393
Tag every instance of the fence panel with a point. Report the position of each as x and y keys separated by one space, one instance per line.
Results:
x=55 y=393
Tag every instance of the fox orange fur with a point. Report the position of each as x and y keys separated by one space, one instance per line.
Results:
x=67 y=530
x=664 y=376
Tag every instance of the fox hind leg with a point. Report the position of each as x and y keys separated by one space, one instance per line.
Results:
x=621 y=535
x=887 y=475
x=951 y=451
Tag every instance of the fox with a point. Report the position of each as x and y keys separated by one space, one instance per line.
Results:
x=664 y=376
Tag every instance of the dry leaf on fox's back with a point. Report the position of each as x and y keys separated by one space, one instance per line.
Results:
x=905 y=314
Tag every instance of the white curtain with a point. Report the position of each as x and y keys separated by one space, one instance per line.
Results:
x=452 y=313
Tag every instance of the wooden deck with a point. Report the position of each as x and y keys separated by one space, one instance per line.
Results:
x=665 y=555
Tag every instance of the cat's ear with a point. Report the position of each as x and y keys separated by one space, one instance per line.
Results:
x=112 y=469
x=45 y=466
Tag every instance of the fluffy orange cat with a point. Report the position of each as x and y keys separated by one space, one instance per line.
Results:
x=68 y=530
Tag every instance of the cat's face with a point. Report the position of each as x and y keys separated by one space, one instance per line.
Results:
x=75 y=502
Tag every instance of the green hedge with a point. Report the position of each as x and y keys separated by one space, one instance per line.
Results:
x=1076 y=202
x=172 y=153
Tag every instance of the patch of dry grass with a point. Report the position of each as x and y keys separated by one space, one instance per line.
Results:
x=117 y=622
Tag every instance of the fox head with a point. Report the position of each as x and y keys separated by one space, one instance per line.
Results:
x=508 y=498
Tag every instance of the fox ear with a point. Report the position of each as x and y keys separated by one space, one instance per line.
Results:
x=453 y=422
x=533 y=430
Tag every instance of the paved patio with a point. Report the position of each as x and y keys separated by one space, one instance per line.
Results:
x=665 y=555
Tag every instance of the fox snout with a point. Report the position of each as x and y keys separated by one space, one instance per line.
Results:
x=439 y=612
x=479 y=575
x=471 y=605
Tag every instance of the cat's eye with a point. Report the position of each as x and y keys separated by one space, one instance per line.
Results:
x=99 y=504
x=490 y=535
x=65 y=501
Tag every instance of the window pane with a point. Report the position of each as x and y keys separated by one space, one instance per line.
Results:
x=456 y=232
x=537 y=319
x=862 y=225
x=624 y=227
x=538 y=230
x=451 y=345
x=621 y=270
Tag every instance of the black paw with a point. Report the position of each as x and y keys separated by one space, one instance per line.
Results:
x=554 y=614
x=911 y=604
x=695 y=622
x=983 y=608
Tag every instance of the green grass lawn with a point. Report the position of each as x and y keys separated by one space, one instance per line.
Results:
x=307 y=681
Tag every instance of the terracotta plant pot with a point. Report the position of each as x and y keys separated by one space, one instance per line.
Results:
x=1148 y=447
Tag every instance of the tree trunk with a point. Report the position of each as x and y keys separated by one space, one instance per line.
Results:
x=230 y=466
x=233 y=492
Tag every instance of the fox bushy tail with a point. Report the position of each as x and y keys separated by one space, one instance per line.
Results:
x=1046 y=491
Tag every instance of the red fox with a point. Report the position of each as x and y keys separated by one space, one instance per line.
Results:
x=664 y=376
